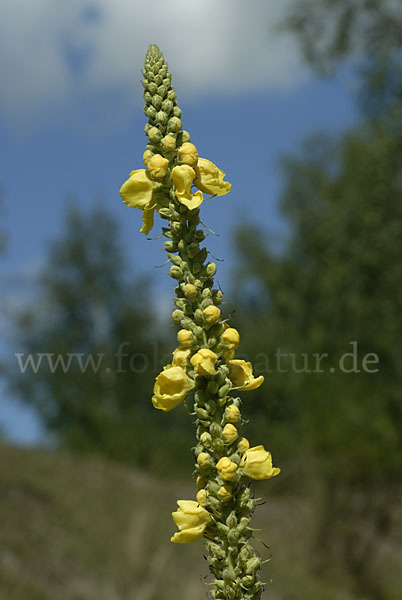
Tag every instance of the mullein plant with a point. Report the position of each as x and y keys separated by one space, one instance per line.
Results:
x=203 y=365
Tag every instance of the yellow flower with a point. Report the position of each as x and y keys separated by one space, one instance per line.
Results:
x=243 y=444
x=227 y=469
x=212 y=314
x=183 y=176
x=229 y=433
x=188 y=154
x=185 y=338
x=204 y=362
x=257 y=463
x=241 y=375
x=204 y=459
x=157 y=166
x=232 y=413
x=191 y=519
x=171 y=387
x=137 y=192
x=202 y=497
x=180 y=357
x=230 y=338
x=209 y=179
x=225 y=493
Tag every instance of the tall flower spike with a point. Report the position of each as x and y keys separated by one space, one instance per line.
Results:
x=203 y=365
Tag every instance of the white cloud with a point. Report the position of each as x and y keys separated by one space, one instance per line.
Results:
x=57 y=56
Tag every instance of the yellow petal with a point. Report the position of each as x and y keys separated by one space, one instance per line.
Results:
x=241 y=375
x=188 y=535
x=183 y=176
x=209 y=179
x=147 y=220
x=137 y=190
x=171 y=387
x=257 y=463
x=191 y=519
x=157 y=166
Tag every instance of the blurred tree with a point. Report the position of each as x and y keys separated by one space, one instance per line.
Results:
x=93 y=326
x=338 y=281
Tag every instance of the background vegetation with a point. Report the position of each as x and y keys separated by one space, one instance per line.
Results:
x=335 y=524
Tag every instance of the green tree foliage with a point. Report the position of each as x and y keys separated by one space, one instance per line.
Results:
x=88 y=304
x=338 y=281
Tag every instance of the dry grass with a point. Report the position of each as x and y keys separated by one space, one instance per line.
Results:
x=81 y=529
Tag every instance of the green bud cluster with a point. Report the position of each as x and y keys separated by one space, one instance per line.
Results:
x=161 y=109
x=232 y=560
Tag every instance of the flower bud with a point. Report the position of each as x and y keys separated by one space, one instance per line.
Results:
x=167 y=106
x=198 y=316
x=175 y=259
x=219 y=445
x=171 y=95
x=210 y=269
x=204 y=362
x=176 y=272
x=193 y=249
x=252 y=565
x=225 y=493
x=217 y=296
x=244 y=496
x=230 y=338
x=202 y=497
x=231 y=521
x=147 y=156
x=229 y=433
x=200 y=235
x=170 y=246
x=210 y=405
x=206 y=438
x=169 y=143
x=180 y=303
x=157 y=166
x=233 y=537
x=177 y=111
x=204 y=460
x=190 y=291
x=201 y=482
x=212 y=386
x=247 y=581
x=154 y=135
x=215 y=429
x=150 y=112
x=227 y=469
x=201 y=413
x=185 y=338
x=243 y=445
x=174 y=124
x=232 y=414
x=198 y=332
x=212 y=314
x=244 y=521
x=188 y=154
x=161 y=117
x=162 y=91
x=224 y=390
x=245 y=553
x=185 y=136
x=156 y=101
x=177 y=315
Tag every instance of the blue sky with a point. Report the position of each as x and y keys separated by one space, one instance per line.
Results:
x=71 y=123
